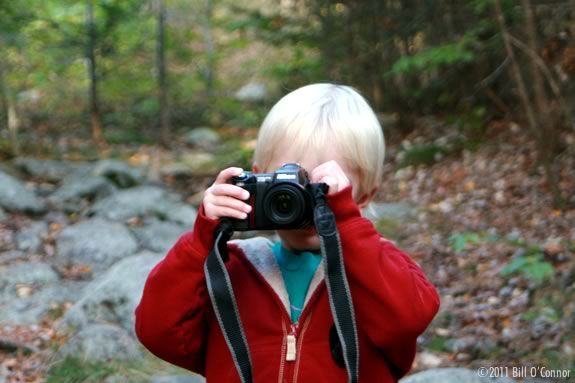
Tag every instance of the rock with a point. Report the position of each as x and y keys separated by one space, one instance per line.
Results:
x=119 y=172
x=102 y=342
x=397 y=211
x=48 y=170
x=428 y=359
x=130 y=203
x=76 y=187
x=176 y=169
x=15 y=196
x=145 y=201
x=159 y=236
x=30 y=238
x=252 y=92
x=180 y=213
x=31 y=309
x=204 y=138
x=35 y=274
x=177 y=379
x=113 y=297
x=451 y=375
x=461 y=344
x=200 y=163
x=96 y=243
x=543 y=325
x=3 y=215
x=26 y=292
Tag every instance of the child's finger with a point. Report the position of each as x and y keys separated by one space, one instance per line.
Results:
x=224 y=211
x=231 y=202
x=320 y=173
x=230 y=190
x=226 y=174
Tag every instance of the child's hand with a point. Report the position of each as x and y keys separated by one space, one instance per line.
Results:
x=332 y=174
x=226 y=200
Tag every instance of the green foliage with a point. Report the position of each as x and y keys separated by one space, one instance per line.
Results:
x=231 y=112
x=433 y=58
x=303 y=67
x=460 y=241
x=74 y=370
x=421 y=154
x=531 y=264
x=438 y=344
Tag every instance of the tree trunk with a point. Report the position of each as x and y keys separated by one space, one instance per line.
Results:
x=210 y=49
x=547 y=114
x=164 y=117
x=537 y=123
x=10 y=118
x=516 y=70
x=95 y=116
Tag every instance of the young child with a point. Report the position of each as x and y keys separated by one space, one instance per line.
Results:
x=331 y=131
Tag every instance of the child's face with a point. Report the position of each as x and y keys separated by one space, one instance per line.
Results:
x=307 y=239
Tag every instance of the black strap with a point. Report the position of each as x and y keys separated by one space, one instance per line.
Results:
x=224 y=302
x=226 y=308
x=339 y=293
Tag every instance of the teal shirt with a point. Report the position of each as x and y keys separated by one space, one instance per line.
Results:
x=297 y=271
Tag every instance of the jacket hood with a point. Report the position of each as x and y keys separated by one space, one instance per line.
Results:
x=258 y=251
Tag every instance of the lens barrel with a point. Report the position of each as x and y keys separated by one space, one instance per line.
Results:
x=284 y=204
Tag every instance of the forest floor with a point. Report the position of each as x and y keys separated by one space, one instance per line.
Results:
x=487 y=235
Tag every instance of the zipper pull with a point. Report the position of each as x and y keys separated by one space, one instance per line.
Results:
x=291 y=344
x=291 y=348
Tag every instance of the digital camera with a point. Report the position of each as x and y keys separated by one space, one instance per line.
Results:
x=280 y=200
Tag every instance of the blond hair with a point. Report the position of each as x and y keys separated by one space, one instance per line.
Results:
x=316 y=116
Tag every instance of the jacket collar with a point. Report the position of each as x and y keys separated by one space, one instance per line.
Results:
x=259 y=252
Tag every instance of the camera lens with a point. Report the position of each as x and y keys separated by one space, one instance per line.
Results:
x=284 y=205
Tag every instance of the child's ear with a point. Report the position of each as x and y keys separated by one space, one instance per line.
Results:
x=366 y=198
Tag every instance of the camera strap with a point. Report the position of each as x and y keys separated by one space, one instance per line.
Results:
x=224 y=301
x=340 y=300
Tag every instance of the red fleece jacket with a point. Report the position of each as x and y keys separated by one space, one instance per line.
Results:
x=393 y=301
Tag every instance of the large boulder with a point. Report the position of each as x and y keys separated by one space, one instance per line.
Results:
x=113 y=297
x=30 y=291
x=159 y=236
x=49 y=170
x=36 y=274
x=30 y=305
x=145 y=200
x=252 y=92
x=29 y=239
x=15 y=196
x=203 y=137
x=96 y=243
x=76 y=187
x=119 y=172
x=102 y=342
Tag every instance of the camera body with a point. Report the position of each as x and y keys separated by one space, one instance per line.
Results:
x=280 y=200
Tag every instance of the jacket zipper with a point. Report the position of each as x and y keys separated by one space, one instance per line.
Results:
x=292 y=336
x=299 y=347
x=291 y=339
x=282 y=358
x=291 y=349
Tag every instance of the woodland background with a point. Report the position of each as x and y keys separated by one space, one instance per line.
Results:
x=477 y=102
